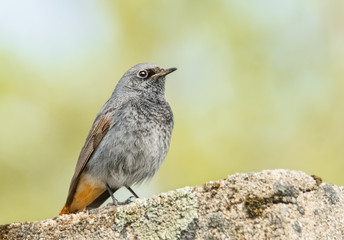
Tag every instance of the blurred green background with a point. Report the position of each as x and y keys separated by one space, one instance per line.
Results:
x=259 y=86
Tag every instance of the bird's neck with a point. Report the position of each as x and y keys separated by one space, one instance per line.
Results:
x=156 y=94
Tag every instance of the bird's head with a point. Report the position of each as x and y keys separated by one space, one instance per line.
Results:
x=145 y=78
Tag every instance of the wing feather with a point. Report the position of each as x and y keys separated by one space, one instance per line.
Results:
x=95 y=136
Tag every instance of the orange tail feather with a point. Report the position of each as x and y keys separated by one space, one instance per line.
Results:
x=65 y=210
x=88 y=190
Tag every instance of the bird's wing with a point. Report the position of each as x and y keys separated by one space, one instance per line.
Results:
x=95 y=136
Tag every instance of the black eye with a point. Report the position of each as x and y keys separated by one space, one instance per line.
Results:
x=142 y=74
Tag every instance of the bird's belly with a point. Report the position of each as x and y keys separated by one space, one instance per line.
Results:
x=127 y=157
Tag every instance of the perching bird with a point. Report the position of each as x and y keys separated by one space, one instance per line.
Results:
x=128 y=141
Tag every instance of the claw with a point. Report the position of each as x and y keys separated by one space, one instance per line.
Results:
x=129 y=200
x=114 y=203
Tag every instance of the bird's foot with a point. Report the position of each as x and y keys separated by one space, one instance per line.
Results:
x=129 y=200
x=114 y=203
x=118 y=203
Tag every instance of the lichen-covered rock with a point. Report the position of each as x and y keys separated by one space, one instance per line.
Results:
x=272 y=204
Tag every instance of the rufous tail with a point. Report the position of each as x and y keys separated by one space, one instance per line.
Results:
x=65 y=210
x=87 y=191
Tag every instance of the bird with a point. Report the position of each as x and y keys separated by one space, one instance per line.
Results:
x=128 y=141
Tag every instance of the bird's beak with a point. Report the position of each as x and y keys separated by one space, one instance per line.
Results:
x=164 y=72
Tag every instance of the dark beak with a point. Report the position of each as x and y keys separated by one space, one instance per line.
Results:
x=168 y=71
x=164 y=72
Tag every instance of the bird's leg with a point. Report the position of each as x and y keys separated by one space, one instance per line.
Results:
x=132 y=192
x=130 y=199
x=114 y=200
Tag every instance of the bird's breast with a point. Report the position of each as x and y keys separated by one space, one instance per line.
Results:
x=136 y=144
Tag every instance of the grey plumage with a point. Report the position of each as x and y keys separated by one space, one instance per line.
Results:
x=139 y=134
x=130 y=136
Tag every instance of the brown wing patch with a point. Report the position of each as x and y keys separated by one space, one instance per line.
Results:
x=95 y=136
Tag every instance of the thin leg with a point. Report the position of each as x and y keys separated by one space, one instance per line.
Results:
x=132 y=192
x=114 y=200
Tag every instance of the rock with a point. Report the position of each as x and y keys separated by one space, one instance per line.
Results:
x=272 y=204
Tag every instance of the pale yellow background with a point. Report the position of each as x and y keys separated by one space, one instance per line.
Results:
x=260 y=85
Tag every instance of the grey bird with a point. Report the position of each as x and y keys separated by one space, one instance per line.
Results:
x=128 y=141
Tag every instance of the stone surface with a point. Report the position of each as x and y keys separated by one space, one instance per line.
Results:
x=272 y=204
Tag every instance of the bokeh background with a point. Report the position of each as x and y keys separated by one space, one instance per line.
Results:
x=259 y=86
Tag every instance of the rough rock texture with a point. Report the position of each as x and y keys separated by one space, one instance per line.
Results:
x=276 y=204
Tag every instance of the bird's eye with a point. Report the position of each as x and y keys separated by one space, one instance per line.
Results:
x=142 y=74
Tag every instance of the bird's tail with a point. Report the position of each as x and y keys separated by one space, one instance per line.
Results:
x=74 y=208
x=65 y=210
